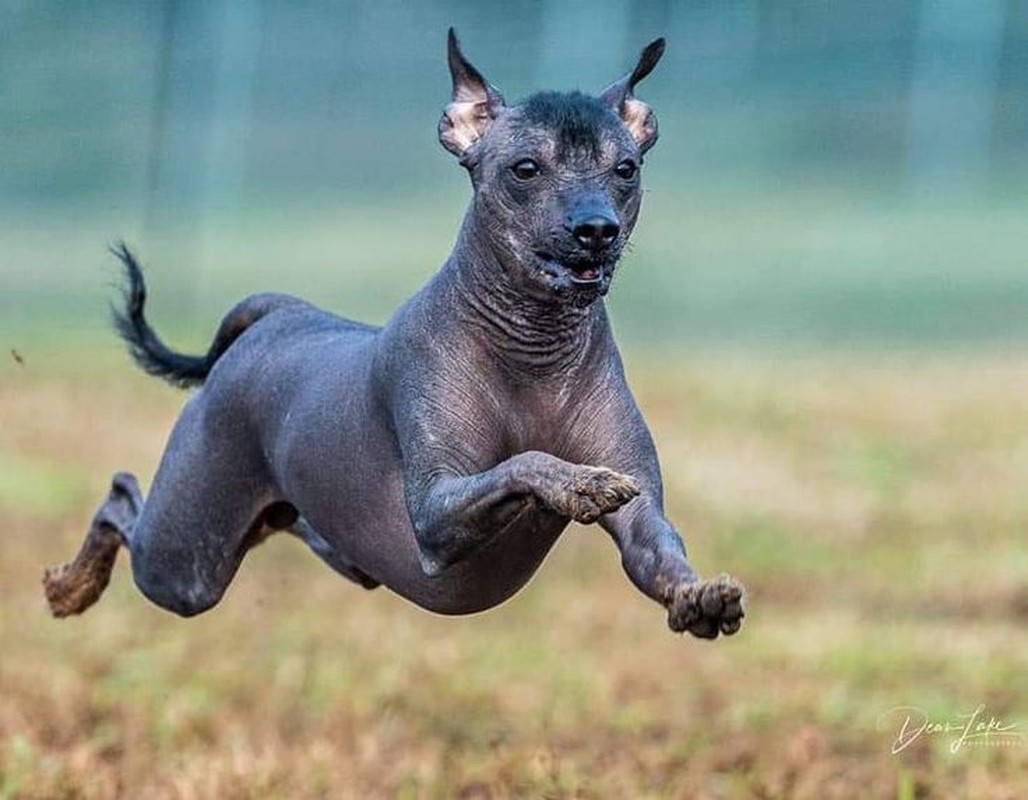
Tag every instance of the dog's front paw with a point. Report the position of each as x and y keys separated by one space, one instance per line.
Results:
x=707 y=608
x=593 y=491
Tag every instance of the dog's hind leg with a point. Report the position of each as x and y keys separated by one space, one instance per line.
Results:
x=208 y=503
x=73 y=587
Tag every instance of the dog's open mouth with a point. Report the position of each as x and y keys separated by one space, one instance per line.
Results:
x=581 y=273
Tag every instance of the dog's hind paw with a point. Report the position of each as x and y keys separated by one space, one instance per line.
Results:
x=593 y=491
x=73 y=587
x=707 y=608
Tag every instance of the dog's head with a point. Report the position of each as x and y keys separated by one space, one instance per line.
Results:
x=557 y=177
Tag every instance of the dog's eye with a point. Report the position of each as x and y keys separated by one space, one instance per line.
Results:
x=525 y=169
x=626 y=169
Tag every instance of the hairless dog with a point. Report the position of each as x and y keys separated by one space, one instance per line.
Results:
x=442 y=454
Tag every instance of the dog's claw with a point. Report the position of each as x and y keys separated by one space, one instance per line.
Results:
x=707 y=608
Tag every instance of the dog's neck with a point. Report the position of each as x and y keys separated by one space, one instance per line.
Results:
x=526 y=332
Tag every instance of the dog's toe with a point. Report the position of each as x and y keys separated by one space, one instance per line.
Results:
x=707 y=608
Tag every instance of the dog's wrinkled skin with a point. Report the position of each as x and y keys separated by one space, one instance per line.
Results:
x=443 y=454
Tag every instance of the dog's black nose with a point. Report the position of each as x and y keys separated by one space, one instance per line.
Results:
x=594 y=232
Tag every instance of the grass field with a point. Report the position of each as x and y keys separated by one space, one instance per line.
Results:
x=877 y=513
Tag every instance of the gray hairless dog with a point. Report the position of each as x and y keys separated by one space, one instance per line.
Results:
x=444 y=453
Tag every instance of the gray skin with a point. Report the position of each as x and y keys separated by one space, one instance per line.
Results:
x=443 y=454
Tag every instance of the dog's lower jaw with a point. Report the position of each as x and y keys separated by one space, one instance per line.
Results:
x=579 y=287
x=582 y=294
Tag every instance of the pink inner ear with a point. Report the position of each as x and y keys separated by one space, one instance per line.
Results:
x=468 y=122
x=638 y=118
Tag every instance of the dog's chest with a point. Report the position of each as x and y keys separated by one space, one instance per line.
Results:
x=543 y=417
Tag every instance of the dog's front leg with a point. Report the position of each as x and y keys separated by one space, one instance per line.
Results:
x=453 y=515
x=654 y=558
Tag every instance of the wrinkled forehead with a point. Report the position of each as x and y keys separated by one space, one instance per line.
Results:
x=566 y=125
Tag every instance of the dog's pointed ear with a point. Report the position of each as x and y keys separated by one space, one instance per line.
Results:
x=637 y=116
x=474 y=106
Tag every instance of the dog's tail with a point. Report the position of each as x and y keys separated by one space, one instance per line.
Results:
x=153 y=355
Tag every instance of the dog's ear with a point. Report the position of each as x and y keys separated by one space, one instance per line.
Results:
x=474 y=106
x=637 y=116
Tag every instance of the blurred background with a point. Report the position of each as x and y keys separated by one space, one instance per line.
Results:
x=843 y=174
x=824 y=320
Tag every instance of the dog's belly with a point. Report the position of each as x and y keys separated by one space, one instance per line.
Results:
x=488 y=577
x=377 y=537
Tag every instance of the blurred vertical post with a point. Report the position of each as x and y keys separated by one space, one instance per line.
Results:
x=158 y=114
x=238 y=25
x=238 y=42
x=204 y=76
x=955 y=64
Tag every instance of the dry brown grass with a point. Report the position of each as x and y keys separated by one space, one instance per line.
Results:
x=877 y=514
